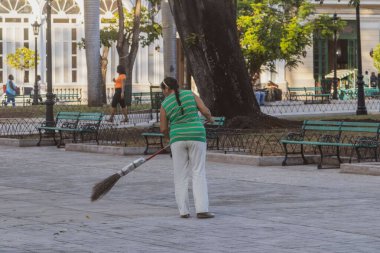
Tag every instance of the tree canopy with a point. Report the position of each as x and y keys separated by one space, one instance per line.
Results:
x=273 y=30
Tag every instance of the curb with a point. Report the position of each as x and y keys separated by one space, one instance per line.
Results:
x=371 y=169
x=24 y=142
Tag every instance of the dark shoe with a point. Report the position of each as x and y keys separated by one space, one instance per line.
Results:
x=185 y=216
x=205 y=215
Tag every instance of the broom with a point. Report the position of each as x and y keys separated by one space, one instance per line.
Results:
x=102 y=188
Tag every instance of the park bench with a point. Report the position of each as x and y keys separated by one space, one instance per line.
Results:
x=334 y=134
x=73 y=124
x=212 y=129
x=311 y=95
x=154 y=138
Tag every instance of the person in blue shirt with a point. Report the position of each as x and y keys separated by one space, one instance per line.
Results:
x=10 y=91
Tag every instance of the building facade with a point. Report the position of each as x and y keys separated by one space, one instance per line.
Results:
x=318 y=61
x=69 y=61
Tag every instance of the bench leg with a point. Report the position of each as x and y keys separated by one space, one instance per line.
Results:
x=39 y=141
x=303 y=156
x=147 y=145
x=338 y=155
x=319 y=166
x=60 y=139
x=286 y=155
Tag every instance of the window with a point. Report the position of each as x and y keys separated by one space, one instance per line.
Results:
x=108 y=7
x=73 y=55
x=64 y=7
x=18 y=6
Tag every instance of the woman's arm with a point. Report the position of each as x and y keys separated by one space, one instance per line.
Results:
x=164 y=128
x=203 y=108
x=124 y=79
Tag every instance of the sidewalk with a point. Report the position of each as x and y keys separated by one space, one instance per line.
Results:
x=45 y=207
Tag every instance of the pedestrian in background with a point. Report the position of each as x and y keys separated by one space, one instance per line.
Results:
x=366 y=79
x=187 y=144
x=119 y=96
x=373 y=80
x=11 y=91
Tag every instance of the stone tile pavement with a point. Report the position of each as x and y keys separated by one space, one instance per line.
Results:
x=45 y=207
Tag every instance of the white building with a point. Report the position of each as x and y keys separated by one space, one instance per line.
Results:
x=69 y=62
x=319 y=57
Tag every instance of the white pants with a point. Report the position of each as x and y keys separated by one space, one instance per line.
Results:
x=190 y=157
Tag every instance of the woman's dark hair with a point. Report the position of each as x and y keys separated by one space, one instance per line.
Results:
x=120 y=69
x=172 y=83
x=10 y=77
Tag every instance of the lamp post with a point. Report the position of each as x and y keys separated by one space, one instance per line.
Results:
x=361 y=110
x=49 y=93
x=335 y=80
x=36 y=29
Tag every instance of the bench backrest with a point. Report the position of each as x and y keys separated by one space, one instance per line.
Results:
x=67 y=117
x=93 y=118
x=218 y=122
x=341 y=126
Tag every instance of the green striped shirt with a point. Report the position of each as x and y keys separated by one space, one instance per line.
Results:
x=186 y=127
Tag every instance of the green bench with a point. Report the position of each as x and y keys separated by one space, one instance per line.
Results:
x=212 y=129
x=364 y=135
x=73 y=124
x=154 y=138
x=311 y=95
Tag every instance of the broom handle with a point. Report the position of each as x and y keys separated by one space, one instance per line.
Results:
x=156 y=153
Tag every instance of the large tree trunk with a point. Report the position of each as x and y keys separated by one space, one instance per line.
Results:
x=169 y=40
x=92 y=37
x=209 y=36
x=128 y=52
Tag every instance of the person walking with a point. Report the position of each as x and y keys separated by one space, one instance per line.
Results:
x=373 y=80
x=10 y=91
x=366 y=79
x=188 y=145
x=118 y=97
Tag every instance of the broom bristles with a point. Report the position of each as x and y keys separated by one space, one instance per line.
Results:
x=102 y=188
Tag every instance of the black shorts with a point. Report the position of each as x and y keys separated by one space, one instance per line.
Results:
x=116 y=99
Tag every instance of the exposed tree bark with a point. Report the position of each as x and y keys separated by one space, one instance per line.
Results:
x=169 y=40
x=92 y=38
x=209 y=36
x=208 y=32
x=127 y=47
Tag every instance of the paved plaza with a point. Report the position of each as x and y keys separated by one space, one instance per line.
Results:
x=45 y=207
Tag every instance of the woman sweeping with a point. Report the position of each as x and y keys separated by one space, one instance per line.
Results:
x=119 y=96
x=188 y=145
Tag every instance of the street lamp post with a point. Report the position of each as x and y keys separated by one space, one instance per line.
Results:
x=49 y=93
x=361 y=110
x=335 y=80
x=36 y=28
